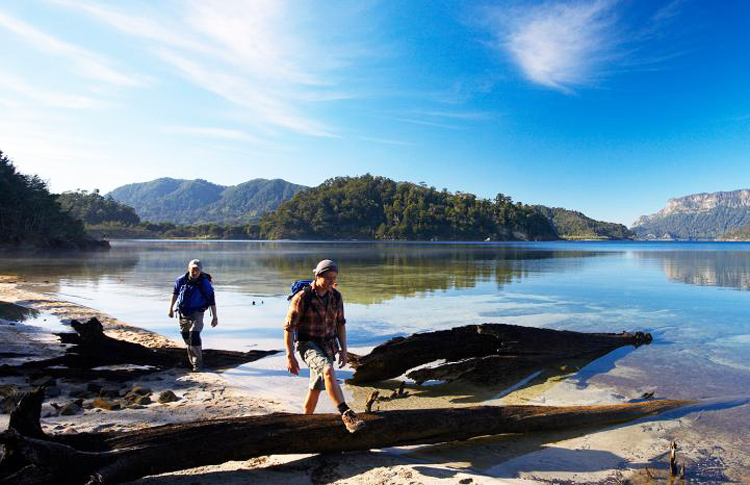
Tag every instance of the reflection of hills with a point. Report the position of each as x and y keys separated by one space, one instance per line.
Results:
x=371 y=272
x=729 y=269
x=375 y=273
x=57 y=265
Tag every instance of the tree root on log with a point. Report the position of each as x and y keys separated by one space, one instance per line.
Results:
x=31 y=458
x=91 y=348
x=487 y=354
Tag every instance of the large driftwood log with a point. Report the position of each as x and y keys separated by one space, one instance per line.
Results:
x=32 y=457
x=484 y=354
x=91 y=348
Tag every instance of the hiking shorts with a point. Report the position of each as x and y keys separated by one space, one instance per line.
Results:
x=193 y=323
x=316 y=360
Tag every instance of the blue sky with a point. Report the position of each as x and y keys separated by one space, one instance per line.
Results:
x=607 y=107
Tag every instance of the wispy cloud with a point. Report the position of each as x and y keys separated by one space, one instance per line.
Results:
x=19 y=85
x=87 y=63
x=262 y=56
x=457 y=115
x=435 y=124
x=386 y=141
x=211 y=132
x=565 y=46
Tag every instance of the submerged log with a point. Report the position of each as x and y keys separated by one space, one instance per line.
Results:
x=484 y=354
x=91 y=348
x=117 y=456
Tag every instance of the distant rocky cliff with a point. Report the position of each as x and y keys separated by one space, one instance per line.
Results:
x=697 y=216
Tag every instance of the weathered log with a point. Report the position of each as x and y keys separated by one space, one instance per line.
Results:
x=91 y=348
x=116 y=456
x=479 y=353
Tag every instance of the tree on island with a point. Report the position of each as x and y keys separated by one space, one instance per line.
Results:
x=369 y=207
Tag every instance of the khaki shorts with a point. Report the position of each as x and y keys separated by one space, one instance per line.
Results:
x=193 y=323
x=316 y=360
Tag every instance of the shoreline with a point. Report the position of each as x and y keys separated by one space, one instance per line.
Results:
x=203 y=395
x=589 y=456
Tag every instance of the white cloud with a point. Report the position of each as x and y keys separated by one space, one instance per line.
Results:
x=88 y=63
x=562 y=46
x=211 y=132
x=458 y=115
x=18 y=85
x=263 y=56
x=268 y=105
x=386 y=141
x=565 y=46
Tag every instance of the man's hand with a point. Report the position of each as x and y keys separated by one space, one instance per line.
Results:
x=343 y=358
x=214 y=321
x=171 y=313
x=292 y=365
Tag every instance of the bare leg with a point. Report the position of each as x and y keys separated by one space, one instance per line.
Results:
x=311 y=400
x=332 y=386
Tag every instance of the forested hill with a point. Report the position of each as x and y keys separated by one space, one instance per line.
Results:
x=199 y=201
x=369 y=207
x=697 y=216
x=92 y=208
x=31 y=216
x=575 y=225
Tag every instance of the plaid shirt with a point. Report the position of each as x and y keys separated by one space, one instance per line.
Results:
x=320 y=319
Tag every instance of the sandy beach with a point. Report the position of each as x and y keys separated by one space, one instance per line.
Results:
x=631 y=453
x=203 y=395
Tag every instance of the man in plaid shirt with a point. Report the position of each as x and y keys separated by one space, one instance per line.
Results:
x=316 y=319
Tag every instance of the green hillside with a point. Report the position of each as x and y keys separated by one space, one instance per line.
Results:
x=371 y=207
x=201 y=202
x=571 y=224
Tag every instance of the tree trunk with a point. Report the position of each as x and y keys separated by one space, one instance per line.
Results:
x=484 y=354
x=92 y=348
x=115 y=457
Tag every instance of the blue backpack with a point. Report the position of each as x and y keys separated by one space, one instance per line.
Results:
x=306 y=287
x=299 y=285
x=186 y=289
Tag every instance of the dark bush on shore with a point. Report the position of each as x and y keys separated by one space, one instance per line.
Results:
x=31 y=216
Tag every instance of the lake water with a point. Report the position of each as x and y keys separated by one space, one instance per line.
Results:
x=693 y=298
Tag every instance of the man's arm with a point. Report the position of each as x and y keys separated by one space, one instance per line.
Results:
x=341 y=332
x=171 y=305
x=290 y=324
x=291 y=361
x=215 y=319
x=210 y=296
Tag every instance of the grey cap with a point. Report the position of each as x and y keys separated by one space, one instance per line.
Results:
x=325 y=265
x=197 y=263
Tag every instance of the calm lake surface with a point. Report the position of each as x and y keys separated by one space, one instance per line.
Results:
x=693 y=297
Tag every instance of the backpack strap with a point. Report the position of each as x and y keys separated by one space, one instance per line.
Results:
x=307 y=295
x=204 y=276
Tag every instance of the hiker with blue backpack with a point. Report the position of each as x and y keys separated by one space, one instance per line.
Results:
x=194 y=294
x=315 y=320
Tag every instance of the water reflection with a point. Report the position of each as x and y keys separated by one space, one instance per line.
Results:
x=371 y=272
x=16 y=313
x=730 y=269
